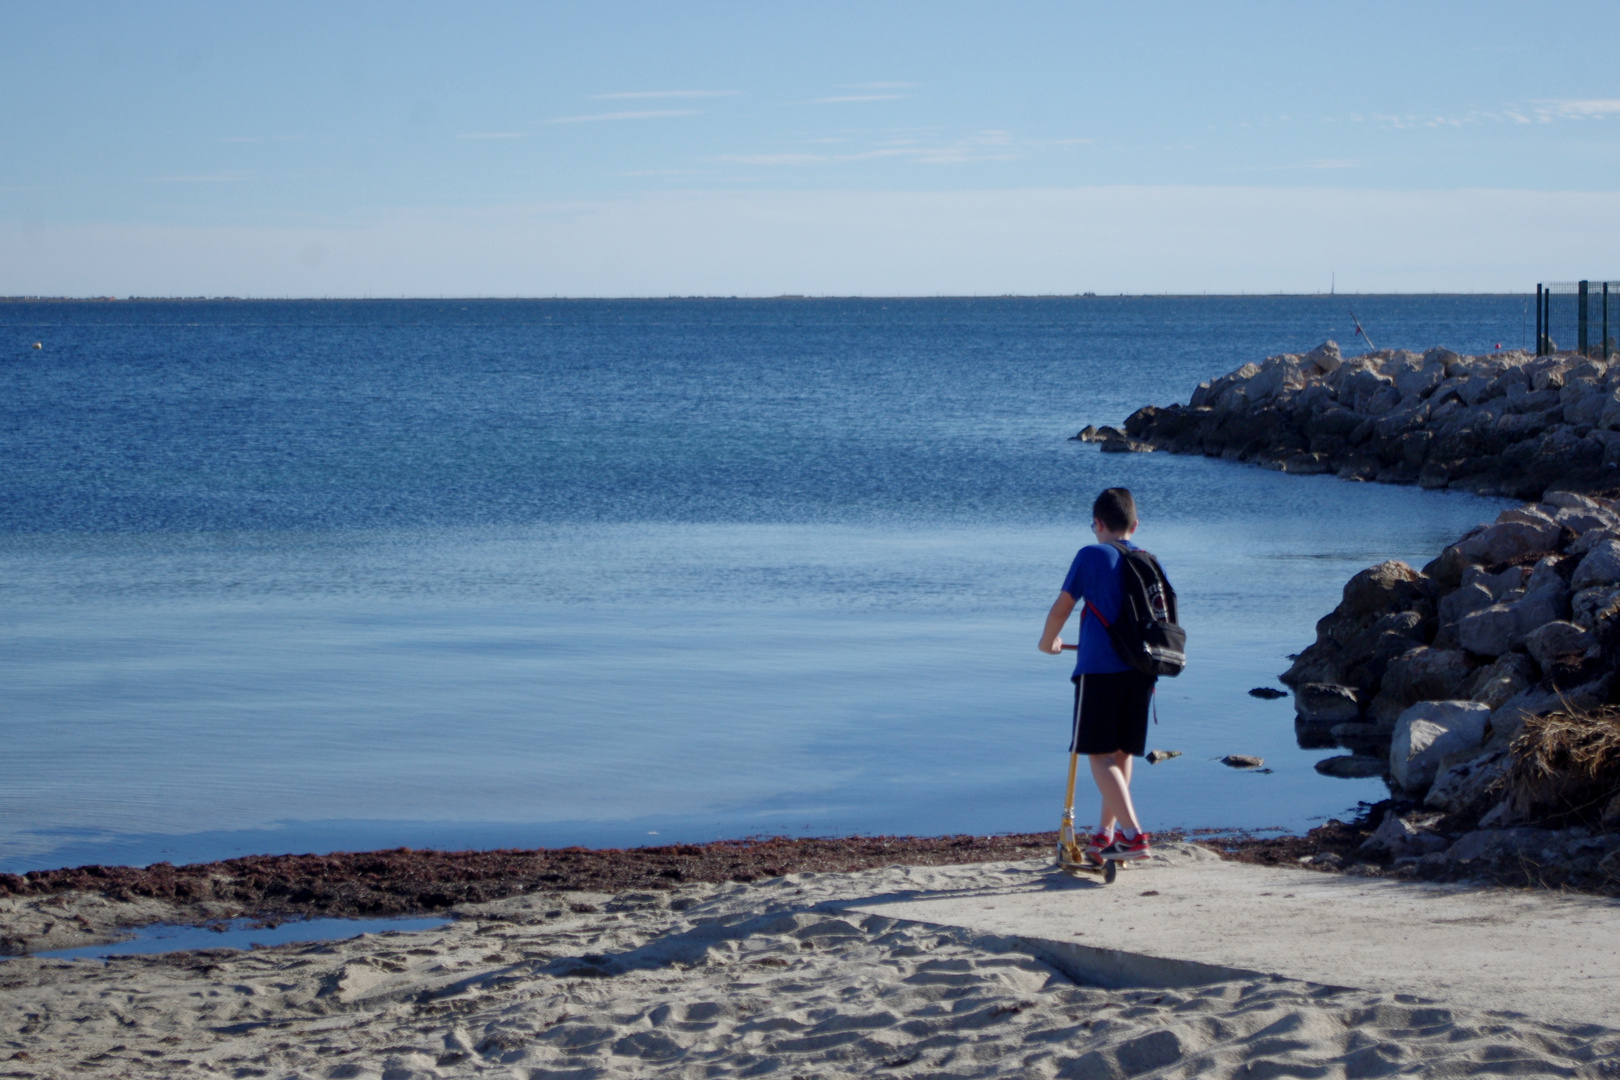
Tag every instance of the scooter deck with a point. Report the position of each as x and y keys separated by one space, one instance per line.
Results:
x=1106 y=871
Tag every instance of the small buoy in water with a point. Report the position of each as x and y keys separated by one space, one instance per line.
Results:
x=38 y=345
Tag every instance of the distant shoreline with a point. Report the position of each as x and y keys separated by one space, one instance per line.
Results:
x=744 y=299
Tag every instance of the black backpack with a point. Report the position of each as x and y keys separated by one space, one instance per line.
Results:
x=1145 y=633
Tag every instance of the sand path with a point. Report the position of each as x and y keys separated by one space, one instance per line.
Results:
x=769 y=979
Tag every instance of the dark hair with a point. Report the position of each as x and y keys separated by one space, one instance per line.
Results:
x=1116 y=509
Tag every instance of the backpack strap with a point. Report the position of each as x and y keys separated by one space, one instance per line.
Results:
x=1096 y=614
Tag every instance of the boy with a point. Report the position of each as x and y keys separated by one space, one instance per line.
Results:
x=1110 y=698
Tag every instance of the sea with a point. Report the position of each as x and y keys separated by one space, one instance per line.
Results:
x=304 y=576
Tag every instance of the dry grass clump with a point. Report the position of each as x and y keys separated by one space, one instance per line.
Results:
x=1566 y=764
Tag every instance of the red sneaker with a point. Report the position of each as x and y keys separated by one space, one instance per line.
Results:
x=1094 y=848
x=1122 y=849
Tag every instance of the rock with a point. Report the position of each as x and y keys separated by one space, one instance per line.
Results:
x=1126 y=446
x=1599 y=566
x=1572 y=500
x=1269 y=693
x=1556 y=639
x=1353 y=766
x=1491 y=844
x=1505 y=582
x=1493 y=630
x=1422 y=674
x=1494 y=684
x=1085 y=434
x=1404 y=838
x=1472 y=785
x=1325 y=356
x=1243 y=761
x=1325 y=703
x=1459 y=602
x=1156 y=756
x=1592 y=538
x=1360 y=737
x=1503 y=815
x=1508 y=717
x=1611 y=814
x=1530 y=515
x=1594 y=608
x=1389 y=586
x=1508 y=540
x=1427 y=732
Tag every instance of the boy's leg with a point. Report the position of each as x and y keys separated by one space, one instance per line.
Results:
x=1112 y=772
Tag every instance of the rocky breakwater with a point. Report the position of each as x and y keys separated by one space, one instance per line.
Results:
x=1481 y=688
x=1501 y=424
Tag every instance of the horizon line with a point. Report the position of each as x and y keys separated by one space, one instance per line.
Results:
x=483 y=298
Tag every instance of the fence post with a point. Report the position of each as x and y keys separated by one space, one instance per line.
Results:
x=1539 y=350
x=1605 y=321
x=1546 y=318
x=1580 y=321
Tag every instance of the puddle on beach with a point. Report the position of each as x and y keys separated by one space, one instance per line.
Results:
x=239 y=934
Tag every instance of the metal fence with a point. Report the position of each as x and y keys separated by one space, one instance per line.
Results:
x=1578 y=317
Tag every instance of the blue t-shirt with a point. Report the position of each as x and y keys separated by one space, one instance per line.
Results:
x=1094 y=577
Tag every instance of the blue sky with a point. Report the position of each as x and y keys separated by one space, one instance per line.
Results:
x=754 y=149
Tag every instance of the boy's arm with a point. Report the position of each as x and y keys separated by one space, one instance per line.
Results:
x=1062 y=608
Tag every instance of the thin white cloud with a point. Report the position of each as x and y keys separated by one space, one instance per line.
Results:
x=842 y=98
x=882 y=86
x=1589 y=109
x=636 y=95
x=643 y=114
x=494 y=135
x=205 y=178
x=1330 y=163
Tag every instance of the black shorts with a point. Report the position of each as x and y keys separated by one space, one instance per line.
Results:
x=1111 y=713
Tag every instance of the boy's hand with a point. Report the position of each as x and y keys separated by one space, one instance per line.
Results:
x=1052 y=648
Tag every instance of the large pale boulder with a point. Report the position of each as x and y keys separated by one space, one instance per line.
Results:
x=1427 y=732
x=1325 y=356
x=1276 y=375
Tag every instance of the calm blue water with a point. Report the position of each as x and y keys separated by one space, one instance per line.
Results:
x=314 y=576
x=240 y=934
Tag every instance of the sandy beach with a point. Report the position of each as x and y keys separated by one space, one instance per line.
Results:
x=775 y=977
